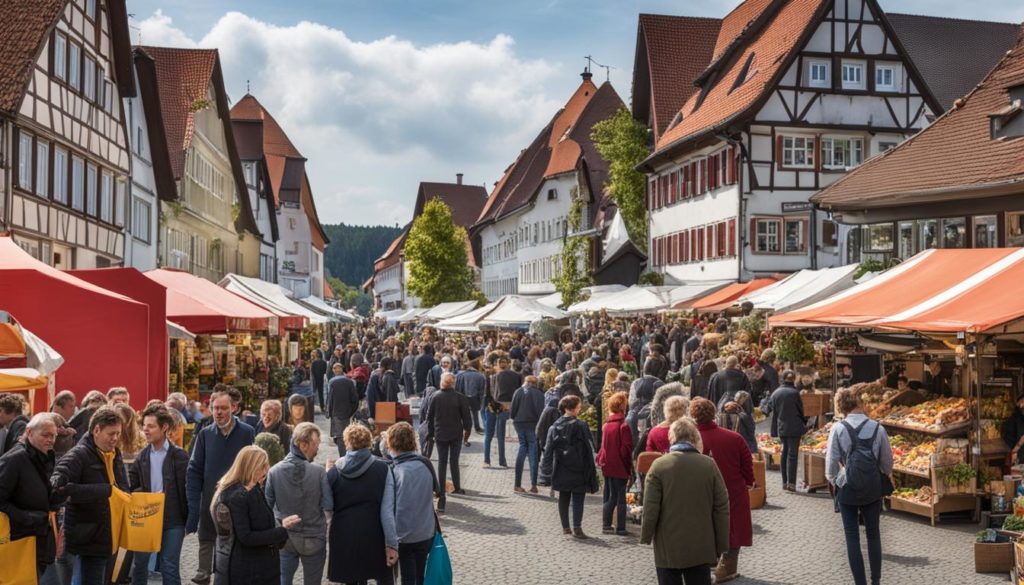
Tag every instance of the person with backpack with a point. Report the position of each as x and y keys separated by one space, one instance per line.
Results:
x=858 y=463
x=616 y=461
x=569 y=462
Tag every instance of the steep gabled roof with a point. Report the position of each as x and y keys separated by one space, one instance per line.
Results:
x=740 y=21
x=24 y=30
x=253 y=123
x=560 y=148
x=954 y=158
x=393 y=253
x=671 y=51
x=163 y=174
x=320 y=239
x=465 y=201
x=953 y=55
x=183 y=80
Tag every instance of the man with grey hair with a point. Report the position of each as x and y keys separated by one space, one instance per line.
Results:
x=449 y=423
x=298 y=486
x=25 y=492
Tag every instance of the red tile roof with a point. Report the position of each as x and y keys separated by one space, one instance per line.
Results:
x=737 y=22
x=393 y=253
x=955 y=153
x=769 y=48
x=559 y=148
x=183 y=79
x=671 y=52
x=275 y=141
x=465 y=201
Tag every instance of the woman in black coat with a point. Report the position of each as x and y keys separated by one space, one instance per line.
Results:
x=248 y=537
x=569 y=462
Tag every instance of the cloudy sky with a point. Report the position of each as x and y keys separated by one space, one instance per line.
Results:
x=382 y=94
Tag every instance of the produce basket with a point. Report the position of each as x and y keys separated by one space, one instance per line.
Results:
x=993 y=557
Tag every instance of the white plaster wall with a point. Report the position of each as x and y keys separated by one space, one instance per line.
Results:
x=139 y=254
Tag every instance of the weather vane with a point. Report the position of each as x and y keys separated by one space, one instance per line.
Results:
x=607 y=68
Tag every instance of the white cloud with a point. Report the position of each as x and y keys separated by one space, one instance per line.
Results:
x=375 y=118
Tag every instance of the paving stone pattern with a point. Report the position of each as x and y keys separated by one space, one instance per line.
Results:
x=496 y=536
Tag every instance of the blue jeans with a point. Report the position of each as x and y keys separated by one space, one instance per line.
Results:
x=494 y=423
x=170 y=559
x=312 y=565
x=60 y=572
x=93 y=570
x=870 y=513
x=527 y=446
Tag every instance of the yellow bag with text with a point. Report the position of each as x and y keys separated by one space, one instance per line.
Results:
x=119 y=500
x=19 y=567
x=143 y=523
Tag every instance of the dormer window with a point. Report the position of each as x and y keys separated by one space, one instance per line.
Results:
x=552 y=194
x=819 y=74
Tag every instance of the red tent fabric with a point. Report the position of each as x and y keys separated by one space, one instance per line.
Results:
x=132 y=284
x=936 y=291
x=203 y=307
x=726 y=297
x=103 y=336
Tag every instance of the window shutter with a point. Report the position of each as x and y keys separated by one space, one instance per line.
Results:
x=694 y=179
x=673 y=187
x=732 y=165
x=680 y=237
x=753 y=235
x=713 y=171
x=804 y=233
x=709 y=234
x=686 y=245
x=664 y=190
x=686 y=180
x=778 y=152
x=731 y=245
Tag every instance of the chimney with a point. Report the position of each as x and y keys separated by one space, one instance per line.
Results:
x=586 y=75
x=458 y=178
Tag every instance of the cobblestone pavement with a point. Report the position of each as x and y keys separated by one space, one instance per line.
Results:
x=496 y=536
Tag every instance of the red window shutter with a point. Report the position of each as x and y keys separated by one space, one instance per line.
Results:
x=693 y=245
x=680 y=237
x=686 y=245
x=657 y=193
x=686 y=180
x=804 y=228
x=732 y=165
x=712 y=172
x=753 y=235
x=720 y=236
x=693 y=179
x=700 y=243
x=778 y=151
x=672 y=188
x=731 y=245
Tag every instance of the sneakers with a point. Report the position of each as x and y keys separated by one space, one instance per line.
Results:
x=200 y=580
x=487 y=465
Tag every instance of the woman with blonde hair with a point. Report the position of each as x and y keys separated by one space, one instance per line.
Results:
x=131 y=442
x=676 y=407
x=611 y=376
x=248 y=537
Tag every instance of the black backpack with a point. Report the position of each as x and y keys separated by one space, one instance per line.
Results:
x=567 y=446
x=864 y=479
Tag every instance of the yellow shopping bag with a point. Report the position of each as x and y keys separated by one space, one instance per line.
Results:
x=119 y=501
x=143 y=525
x=19 y=567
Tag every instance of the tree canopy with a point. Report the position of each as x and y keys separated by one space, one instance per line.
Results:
x=436 y=252
x=354 y=248
x=622 y=141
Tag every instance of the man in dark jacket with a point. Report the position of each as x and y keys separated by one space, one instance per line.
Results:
x=472 y=384
x=527 y=406
x=503 y=386
x=86 y=477
x=12 y=420
x=449 y=422
x=788 y=424
x=318 y=375
x=385 y=390
x=727 y=382
x=424 y=363
x=342 y=404
x=271 y=420
x=161 y=468
x=213 y=451
x=25 y=493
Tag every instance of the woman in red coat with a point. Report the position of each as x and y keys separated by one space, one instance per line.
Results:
x=616 y=461
x=732 y=456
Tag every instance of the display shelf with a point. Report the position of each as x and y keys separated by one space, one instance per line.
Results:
x=932 y=511
x=947 y=431
x=911 y=471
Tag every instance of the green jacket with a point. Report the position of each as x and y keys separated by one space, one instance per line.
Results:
x=686 y=511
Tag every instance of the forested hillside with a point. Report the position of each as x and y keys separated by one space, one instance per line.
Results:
x=353 y=249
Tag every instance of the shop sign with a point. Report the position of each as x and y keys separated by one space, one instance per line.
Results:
x=796 y=206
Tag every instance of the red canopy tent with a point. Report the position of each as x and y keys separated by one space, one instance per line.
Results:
x=103 y=336
x=936 y=291
x=132 y=284
x=724 y=298
x=203 y=307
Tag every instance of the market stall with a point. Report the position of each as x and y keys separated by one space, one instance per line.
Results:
x=682 y=297
x=27 y=364
x=508 y=312
x=103 y=336
x=726 y=297
x=635 y=300
x=446 y=310
x=270 y=296
x=320 y=306
x=468 y=321
x=801 y=289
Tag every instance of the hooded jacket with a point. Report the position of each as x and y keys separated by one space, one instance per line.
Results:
x=26 y=496
x=297 y=486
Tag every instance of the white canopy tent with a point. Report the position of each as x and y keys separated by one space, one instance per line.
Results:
x=389 y=314
x=269 y=295
x=693 y=291
x=468 y=321
x=320 y=306
x=802 y=288
x=407 y=316
x=635 y=300
x=448 y=310
x=510 y=311
x=552 y=300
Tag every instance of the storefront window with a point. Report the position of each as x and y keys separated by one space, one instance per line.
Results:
x=794 y=236
x=985 y=231
x=1015 y=228
x=854 y=241
x=928 y=234
x=954 y=232
x=907 y=247
x=880 y=237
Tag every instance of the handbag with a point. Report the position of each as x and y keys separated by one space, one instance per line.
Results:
x=428 y=448
x=20 y=555
x=439 y=563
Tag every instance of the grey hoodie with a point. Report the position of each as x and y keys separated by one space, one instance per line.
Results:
x=296 y=486
x=414 y=498
x=354 y=464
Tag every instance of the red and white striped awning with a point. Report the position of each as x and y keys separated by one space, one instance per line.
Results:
x=936 y=291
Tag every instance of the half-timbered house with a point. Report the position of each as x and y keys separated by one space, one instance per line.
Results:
x=797 y=93
x=64 y=68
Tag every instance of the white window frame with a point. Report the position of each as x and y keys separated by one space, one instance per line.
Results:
x=879 y=83
x=60 y=56
x=142 y=214
x=89 y=78
x=77 y=183
x=851 y=81
x=794 y=145
x=106 y=203
x=761 y=230
x=74 y=65
x=852 y=149
x=26 y=151
x=819 y=65
x=60 y=175
x=42 y=184
x=91 y=196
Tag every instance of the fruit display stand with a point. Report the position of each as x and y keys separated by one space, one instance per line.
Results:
x=813 y=447
x=770 y=450
x=923 y=461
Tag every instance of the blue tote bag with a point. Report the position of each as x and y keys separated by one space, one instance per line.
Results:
x=439 y=564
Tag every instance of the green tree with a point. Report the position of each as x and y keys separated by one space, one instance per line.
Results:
x=574 y=273
x=622 y=141
x=350 y=297
x=436 y=253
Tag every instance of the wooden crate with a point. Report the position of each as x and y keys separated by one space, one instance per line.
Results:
x=993 y=557
x=816 y=403
x=771 y=459
x=757 y=497
x=814 y=471
x=759 y=473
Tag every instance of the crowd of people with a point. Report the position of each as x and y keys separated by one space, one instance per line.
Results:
x=584 y=408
